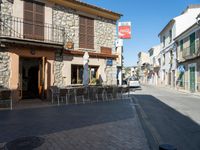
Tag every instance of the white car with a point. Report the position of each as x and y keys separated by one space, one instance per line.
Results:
x=133 y=82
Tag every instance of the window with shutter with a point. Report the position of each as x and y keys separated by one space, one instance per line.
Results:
x=86 y=32
x=33 y=20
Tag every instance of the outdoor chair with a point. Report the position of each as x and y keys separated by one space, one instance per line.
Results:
x=125 y=92
x=70 y=95
x=100 y=94
x=115 y=92
x=119 y=92
x=55 y=94
x=109 y=93
x=79 y=95
x=92 y=91
x=63 y=97
x=6 y=98
x=86 y=94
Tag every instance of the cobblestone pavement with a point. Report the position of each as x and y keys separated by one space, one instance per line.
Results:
x=99 y=126
x=171 y=117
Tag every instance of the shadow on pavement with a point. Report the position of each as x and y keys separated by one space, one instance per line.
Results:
x=46 y=120
x=171 y=126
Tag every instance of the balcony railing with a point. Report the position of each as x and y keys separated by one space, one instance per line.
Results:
x=191 y=52
x=14 y=27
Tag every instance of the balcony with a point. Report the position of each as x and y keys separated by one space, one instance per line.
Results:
x=14 y=28
x=191 y=52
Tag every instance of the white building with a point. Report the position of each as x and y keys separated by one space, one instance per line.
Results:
x=153 y=72
x=143 y=62
x=168 y=49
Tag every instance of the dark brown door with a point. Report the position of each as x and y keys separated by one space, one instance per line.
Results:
x=33 y=20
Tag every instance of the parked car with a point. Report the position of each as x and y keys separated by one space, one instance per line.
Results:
x=133 y=82
x=124 y=82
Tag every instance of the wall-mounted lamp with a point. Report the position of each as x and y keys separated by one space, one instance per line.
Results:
x=69 y=45
x=32 y=51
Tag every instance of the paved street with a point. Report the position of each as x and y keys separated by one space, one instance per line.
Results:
x=169 y=117
x=109 y=125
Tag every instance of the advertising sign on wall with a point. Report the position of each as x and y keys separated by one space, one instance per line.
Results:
x=124 y=30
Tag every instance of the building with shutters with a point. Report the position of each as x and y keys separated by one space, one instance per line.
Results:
x=168 y=47
x=42 y=43
x=188 y=56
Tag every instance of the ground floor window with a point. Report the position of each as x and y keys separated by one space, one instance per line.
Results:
x=77 y=74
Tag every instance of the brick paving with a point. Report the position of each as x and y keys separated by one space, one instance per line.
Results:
x=108 y=125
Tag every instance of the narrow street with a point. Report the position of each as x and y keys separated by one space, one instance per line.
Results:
x=169 y=117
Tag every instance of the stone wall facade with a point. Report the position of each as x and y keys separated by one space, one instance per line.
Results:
x=111 y=74
x=57 y=70
x=105 y=33
x=67 y=18
x=6 y=7
x=104 y=29
x=4 y=69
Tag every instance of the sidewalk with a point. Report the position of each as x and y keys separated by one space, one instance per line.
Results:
x=172 y=89
x=105 y=125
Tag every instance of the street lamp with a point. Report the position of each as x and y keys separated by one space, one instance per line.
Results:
x=198 y=19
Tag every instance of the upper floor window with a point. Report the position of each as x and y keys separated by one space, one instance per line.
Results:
x=163 y=41
x=192 y=43
x=86 y=32
x=33 y=20
x=151 y=53
x=163 y=59
x=181 y=45
x=170 y=36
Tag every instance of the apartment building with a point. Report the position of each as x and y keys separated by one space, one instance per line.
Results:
x=188 y=56
x=143 y=64
x=154 y=65
x=42 y=43
x=168 y=48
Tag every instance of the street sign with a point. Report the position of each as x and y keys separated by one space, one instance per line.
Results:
x=124 y=30
x=119 y=43
x=181 y=69
x=109 y=62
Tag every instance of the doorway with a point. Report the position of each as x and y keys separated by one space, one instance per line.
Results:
x=31 y=78
x=192 y=78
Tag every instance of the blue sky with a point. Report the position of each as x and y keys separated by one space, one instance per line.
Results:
x=148 y=17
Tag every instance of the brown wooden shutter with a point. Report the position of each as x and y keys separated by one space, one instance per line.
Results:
x=90 y=33
x=39 y=21
x=106 y=50
x=82 y=32
x=86 y=33
x=33 y=20
x=28 y=19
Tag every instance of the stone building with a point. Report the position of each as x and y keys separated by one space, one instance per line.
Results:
x=142 y=64
x=42 y=43
x=188 y=56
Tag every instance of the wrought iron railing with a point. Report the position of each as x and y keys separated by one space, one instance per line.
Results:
x=14 y=27
x=191 y=52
